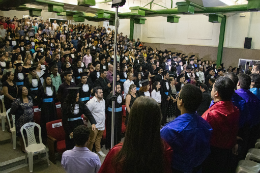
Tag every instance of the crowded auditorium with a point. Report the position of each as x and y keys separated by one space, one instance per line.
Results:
x=138 y=86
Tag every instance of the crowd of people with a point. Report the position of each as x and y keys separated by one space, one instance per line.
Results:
x=183 y=113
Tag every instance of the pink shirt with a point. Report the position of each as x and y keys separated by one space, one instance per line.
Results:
x=87 y=59
x=110 y=76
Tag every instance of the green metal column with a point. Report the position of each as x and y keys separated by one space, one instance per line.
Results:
x=132 y=25
x=221 y=40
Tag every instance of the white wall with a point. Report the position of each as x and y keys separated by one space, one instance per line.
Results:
x=191 y=30
x=238 y=28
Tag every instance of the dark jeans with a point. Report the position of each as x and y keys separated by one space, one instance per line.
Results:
x=164 y=107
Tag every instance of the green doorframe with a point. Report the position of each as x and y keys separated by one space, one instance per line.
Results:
x=221 y=40
x=132 y=25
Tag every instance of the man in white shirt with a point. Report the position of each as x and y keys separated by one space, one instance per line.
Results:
x=55 y=25
x=80 y=159
x=2 y=32
x=201 y=75
x=97 y=107
x=127 y=83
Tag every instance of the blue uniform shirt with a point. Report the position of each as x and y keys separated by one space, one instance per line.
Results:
x=189 y=136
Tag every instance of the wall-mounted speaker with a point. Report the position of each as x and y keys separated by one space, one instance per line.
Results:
x=248 y=43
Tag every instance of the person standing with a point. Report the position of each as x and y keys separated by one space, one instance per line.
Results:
x=63 y=88
x=33 y=82
x=129 y=101
x=188 y=134
x=19 y=75
x=72 y=109
x=104 y=83
x=128 y=82
x=118 y=116
x=156 y=94
x=97 y=108
x=223 y=117
x=143 y=150
x=80 y=159
x=85 y=88
x=165 y=93
x=87 y=58
x=9 y=89
x=22 y=108
x=206 y=99
x=55 y=77
x=46 y=102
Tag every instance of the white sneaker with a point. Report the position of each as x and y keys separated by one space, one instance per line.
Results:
x=101 y=154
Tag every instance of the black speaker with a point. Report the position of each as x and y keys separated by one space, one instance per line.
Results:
x=248 y=43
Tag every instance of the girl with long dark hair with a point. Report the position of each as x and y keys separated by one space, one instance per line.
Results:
x=19 y=75
x=46 y=101
x=143 y=149
x=9 y=89
x=72 y=109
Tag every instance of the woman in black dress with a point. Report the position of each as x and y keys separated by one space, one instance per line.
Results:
x=72 y=109
x=19 y=75
x=9 y=89
x=130 y=98
x=46 y=101
x=33 y=83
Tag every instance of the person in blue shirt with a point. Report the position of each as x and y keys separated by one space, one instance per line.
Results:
x=255 y=85
x=189 y=134
x=75 y=42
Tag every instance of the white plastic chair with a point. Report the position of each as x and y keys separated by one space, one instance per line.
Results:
x=3 y=115
x=253 y=154
x=12 y=129
x=33 y=147
x=248 y=166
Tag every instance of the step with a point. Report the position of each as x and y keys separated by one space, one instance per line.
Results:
x=5 y=137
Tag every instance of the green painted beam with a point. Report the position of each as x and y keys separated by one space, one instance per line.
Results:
x=104 y=15
x=86 y=3
x=221 y=40
x=138 y=12
x=55 y=8
x=132 y=25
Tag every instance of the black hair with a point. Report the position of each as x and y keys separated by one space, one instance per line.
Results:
x=225 y=88
x=6 y=75
x=212 y=80
x=155 y=84
x=191 y=97
x=256 y=78
x=233 y=77
x=244 y=80
x=102 y=71
x=95 y=89
x=257 y=67
x=204 y=86
x=81 y=135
